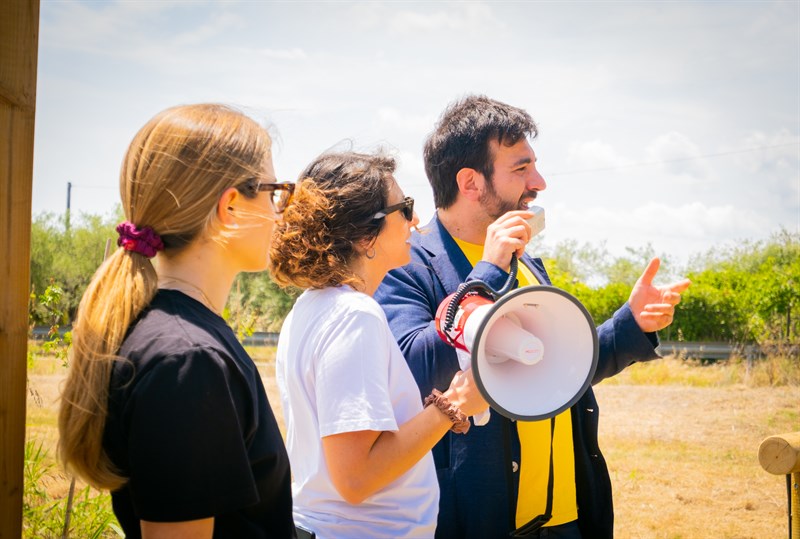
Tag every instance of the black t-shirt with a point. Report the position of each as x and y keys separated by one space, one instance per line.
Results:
x=189 y=424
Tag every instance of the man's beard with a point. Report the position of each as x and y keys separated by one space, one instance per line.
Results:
x=495 y=207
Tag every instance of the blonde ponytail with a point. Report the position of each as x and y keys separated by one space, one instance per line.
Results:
x=119 y=291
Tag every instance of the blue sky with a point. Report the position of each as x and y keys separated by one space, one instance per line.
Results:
x=674 y=124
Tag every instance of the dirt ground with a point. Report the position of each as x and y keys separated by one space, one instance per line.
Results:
x=683 y=460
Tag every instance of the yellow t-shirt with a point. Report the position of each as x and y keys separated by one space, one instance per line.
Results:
x=534 y=437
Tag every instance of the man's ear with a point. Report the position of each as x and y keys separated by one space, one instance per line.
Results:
x=226 y=206
x=470 y=183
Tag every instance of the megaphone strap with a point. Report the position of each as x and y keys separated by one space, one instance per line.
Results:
x=453 y=412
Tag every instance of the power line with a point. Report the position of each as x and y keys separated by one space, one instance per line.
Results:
x=677 y=160
x=95 y=186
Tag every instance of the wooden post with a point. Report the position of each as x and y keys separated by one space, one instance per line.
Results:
x=19 y=40
x=794 y=487
x=780 y=455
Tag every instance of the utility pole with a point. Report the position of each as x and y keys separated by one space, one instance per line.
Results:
x=69 y=200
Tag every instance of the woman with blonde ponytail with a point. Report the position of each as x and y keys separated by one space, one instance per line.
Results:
x=162 y=406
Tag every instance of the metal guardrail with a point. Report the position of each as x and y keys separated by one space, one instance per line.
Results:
x=261 y=338
x=693 y=350
x=258 y=338
x=708 y=350
x=40 y=333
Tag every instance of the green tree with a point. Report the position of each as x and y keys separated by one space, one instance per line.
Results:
x=68 y=256
x=47 y=309
x=775 y=287
x=747 y=293
x=257 y=303
x=600 y=301
x=583 y=262
x=64 y=258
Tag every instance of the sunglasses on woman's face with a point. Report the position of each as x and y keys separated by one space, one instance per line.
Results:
x=406 y=206
x=281 y=194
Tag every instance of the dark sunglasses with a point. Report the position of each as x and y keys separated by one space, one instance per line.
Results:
x=281 y=194
x=407 y=207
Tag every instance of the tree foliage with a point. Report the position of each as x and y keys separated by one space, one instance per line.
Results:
x=256 y=303
x=65 y=255
x=749 y=293
x=746 y=294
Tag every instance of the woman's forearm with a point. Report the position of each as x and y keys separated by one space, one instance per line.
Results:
x=362 y=463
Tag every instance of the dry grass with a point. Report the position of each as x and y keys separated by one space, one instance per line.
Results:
x=770 y=372
x=681 y=441
x=684 y=460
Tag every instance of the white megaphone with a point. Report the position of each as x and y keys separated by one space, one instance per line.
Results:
x=533 y=351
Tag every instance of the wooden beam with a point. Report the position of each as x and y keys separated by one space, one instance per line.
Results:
x=19 y=41
x=780 y=454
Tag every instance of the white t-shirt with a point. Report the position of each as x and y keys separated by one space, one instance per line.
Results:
x=339 y=369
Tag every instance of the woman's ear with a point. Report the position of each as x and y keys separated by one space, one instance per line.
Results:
x=365 y=246
x=470 y=183
x=226 y=206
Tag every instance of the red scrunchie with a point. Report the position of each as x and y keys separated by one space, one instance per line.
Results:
x=139 y=240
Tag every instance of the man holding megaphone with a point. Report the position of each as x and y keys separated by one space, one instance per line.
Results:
x=520 y=478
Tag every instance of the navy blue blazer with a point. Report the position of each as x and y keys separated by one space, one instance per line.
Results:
x=471 y=468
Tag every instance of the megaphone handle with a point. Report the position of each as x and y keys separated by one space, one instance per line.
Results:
x=464 y=363
x=464 y=359
x=482 y=418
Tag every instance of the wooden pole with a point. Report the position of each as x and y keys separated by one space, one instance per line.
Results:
x=794 y=518
x=19 y=41
x=780 y=455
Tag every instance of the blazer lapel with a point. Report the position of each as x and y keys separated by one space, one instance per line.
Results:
x=537 y=268
x=449 y=263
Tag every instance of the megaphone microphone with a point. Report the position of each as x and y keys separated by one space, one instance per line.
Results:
x=533 y=350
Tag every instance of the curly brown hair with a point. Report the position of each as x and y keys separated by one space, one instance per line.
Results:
x=332 y=212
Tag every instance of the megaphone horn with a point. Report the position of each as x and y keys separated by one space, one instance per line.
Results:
x=533 y=351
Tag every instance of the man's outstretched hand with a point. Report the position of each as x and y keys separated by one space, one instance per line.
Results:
x=653 y=307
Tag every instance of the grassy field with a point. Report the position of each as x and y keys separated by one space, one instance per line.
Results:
x=684 y=460
x=681 y=440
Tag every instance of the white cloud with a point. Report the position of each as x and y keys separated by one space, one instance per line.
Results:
x=673 y=230
x=424 y=18
x=393 y=118
x=611 y=86
x=283 y=54
x=594 y=154
x=173 y=36
x=470 y=16
x=678 y=155
x=213 y=27
x=102 y=28
x=778 y=151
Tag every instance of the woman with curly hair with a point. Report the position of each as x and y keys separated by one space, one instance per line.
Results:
x=162 y=406
x=358 y=436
